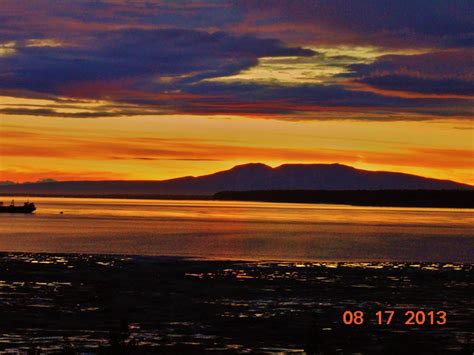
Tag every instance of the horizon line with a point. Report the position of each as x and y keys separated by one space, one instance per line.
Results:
x=52 y=180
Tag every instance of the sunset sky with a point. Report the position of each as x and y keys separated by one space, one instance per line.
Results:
x=98 y=90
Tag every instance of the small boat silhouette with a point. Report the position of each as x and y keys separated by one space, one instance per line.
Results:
x=28 y=207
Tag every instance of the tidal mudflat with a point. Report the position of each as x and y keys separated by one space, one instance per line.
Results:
x=99 y=304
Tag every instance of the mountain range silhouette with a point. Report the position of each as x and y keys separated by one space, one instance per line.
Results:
x=254 y=176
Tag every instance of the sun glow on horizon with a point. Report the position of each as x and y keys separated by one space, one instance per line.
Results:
x=162 y=147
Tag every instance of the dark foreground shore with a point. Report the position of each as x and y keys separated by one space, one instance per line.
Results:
x=74 y=304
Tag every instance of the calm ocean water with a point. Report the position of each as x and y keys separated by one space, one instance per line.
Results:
x=240 y=230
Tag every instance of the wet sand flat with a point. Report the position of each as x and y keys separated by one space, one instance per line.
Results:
x=71 y=303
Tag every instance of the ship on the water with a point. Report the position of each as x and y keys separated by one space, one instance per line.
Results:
x=28 y=207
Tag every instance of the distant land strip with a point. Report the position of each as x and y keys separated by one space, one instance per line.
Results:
x=382 y=198
x=387 y=198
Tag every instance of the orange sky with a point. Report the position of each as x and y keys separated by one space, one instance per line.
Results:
x=167 y=146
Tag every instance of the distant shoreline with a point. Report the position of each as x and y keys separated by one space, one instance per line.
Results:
x=369 y=198
x=374 y=198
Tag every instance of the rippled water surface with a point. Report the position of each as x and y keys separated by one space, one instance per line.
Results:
x=240 y=230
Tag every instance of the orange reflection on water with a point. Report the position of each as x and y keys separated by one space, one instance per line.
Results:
x=240 y=230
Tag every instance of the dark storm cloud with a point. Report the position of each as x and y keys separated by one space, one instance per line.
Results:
x=421 y=85
x=277 y=99
x=71 y=19
x=138 y=56
x=383 y=22
x=443 y=73
x=437 y=23
x=157 y=55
